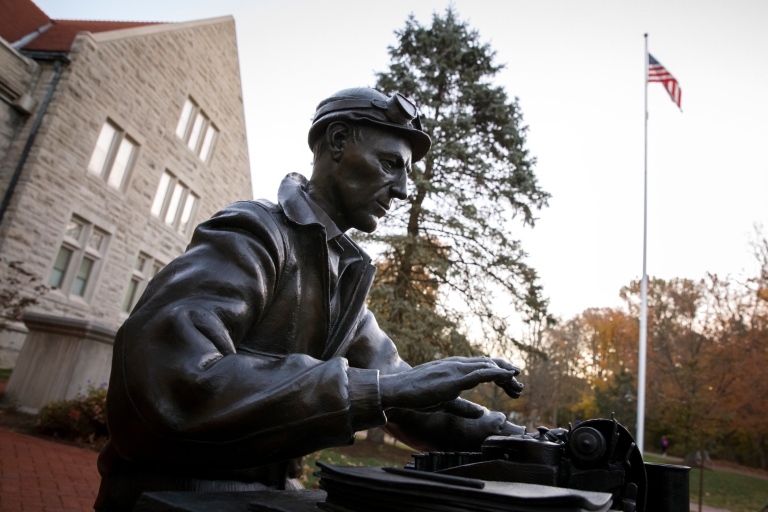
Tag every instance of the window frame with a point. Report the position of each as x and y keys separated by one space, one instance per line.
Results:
x=81 y=250
x=207 y=124
x=142 y=276
x=186 y=192
x=108 y=167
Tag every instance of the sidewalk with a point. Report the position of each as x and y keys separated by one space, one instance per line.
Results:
x=704 y=508
x=43 y=476
x=718 y=466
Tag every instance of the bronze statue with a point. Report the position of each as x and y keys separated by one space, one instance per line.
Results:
x=255 y=346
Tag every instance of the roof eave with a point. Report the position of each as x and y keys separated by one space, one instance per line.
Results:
x=114 y=35
x=46 y=55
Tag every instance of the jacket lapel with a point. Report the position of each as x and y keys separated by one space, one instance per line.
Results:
x=354 y=285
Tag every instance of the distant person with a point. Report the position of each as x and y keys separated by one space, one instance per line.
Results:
x=664 y=446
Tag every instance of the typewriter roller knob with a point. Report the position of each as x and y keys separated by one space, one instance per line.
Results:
x=587 y=444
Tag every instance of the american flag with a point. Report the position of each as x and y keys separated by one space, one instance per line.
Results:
x=657 y=73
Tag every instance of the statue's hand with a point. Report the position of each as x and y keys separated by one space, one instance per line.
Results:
x=436 y=385
x=490 y=424
x=511 y=387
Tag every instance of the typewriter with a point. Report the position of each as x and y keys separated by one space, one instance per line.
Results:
x=597 y=455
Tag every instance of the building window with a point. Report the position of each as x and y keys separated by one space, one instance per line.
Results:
x=60 y=267
x=144 y=270
x=78 y=258
x=174 y=203
x=196 y=130
x=113 y=155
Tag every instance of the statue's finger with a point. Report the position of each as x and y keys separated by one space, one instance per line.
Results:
x=512 y=388
x=468 y=367
x=502 y=363
x=464 y=409
x=483 y=375
x=509 y=429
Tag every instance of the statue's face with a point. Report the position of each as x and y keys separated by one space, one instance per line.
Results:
x=370 y=174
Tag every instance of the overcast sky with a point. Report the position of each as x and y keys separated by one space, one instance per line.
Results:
x=577 y=68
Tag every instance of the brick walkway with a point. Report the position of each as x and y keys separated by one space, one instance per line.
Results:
x=42 y=476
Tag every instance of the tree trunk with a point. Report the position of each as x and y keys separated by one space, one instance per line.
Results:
x=403 y=279
x=701 y=475
x=375 y=435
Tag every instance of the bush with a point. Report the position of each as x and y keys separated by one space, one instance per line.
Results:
x=80 y=419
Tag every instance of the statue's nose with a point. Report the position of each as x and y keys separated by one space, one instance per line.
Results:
x=400 y=186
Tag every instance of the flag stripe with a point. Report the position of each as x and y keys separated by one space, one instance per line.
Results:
x=658 y=73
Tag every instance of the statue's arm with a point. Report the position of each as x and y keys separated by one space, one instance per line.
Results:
x=179 y=390
x=426 y=431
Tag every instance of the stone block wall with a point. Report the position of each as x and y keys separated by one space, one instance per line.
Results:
x=18 y=77
x=139 y=79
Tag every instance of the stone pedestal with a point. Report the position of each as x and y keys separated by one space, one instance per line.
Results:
x=12 y=336
x=60 y=357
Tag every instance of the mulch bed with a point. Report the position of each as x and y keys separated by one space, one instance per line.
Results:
x=16 y=421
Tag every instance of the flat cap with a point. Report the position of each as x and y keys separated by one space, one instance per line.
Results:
x=366 y=105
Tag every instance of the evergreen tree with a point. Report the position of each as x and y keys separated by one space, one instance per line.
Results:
x=452 y=238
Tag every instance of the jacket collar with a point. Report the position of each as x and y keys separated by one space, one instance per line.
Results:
x=300 y=208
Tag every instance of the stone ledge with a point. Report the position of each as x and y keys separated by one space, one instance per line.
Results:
x=86 y=329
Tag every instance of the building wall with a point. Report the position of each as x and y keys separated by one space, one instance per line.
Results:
x=139 y=79
x=18 y=76
x=21 y=83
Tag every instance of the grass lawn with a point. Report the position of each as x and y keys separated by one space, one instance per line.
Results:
x=361 y=453
x=738 y=493
x=332 y=456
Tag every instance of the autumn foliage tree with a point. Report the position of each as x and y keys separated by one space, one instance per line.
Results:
x=707 y=355
x=19 y=290
x=691 y=371
x=580 y=368
x=707 y=360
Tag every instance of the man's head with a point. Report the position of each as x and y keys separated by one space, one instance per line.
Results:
x=364 y=145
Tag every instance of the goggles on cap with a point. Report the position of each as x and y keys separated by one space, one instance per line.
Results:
x=397 y=108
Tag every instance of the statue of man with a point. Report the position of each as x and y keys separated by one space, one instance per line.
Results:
x=255 y=346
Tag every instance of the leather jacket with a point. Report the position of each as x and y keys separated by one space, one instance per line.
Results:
x=229 y=365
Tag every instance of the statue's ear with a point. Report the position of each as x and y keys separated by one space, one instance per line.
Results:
x=336 y=136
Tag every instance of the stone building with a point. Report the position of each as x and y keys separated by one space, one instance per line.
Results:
x=116 y=139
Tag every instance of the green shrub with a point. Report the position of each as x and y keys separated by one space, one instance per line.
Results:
x=80 y=419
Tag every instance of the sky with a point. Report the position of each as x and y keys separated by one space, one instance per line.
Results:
x=578 y=71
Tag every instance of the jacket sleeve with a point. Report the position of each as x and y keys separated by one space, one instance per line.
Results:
x=180 y=391
x=435 y=431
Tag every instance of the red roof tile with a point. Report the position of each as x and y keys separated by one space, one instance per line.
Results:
x=60 y=36
x=19 y=18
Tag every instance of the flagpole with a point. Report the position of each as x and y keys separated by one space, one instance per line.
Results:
x=640 y=434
